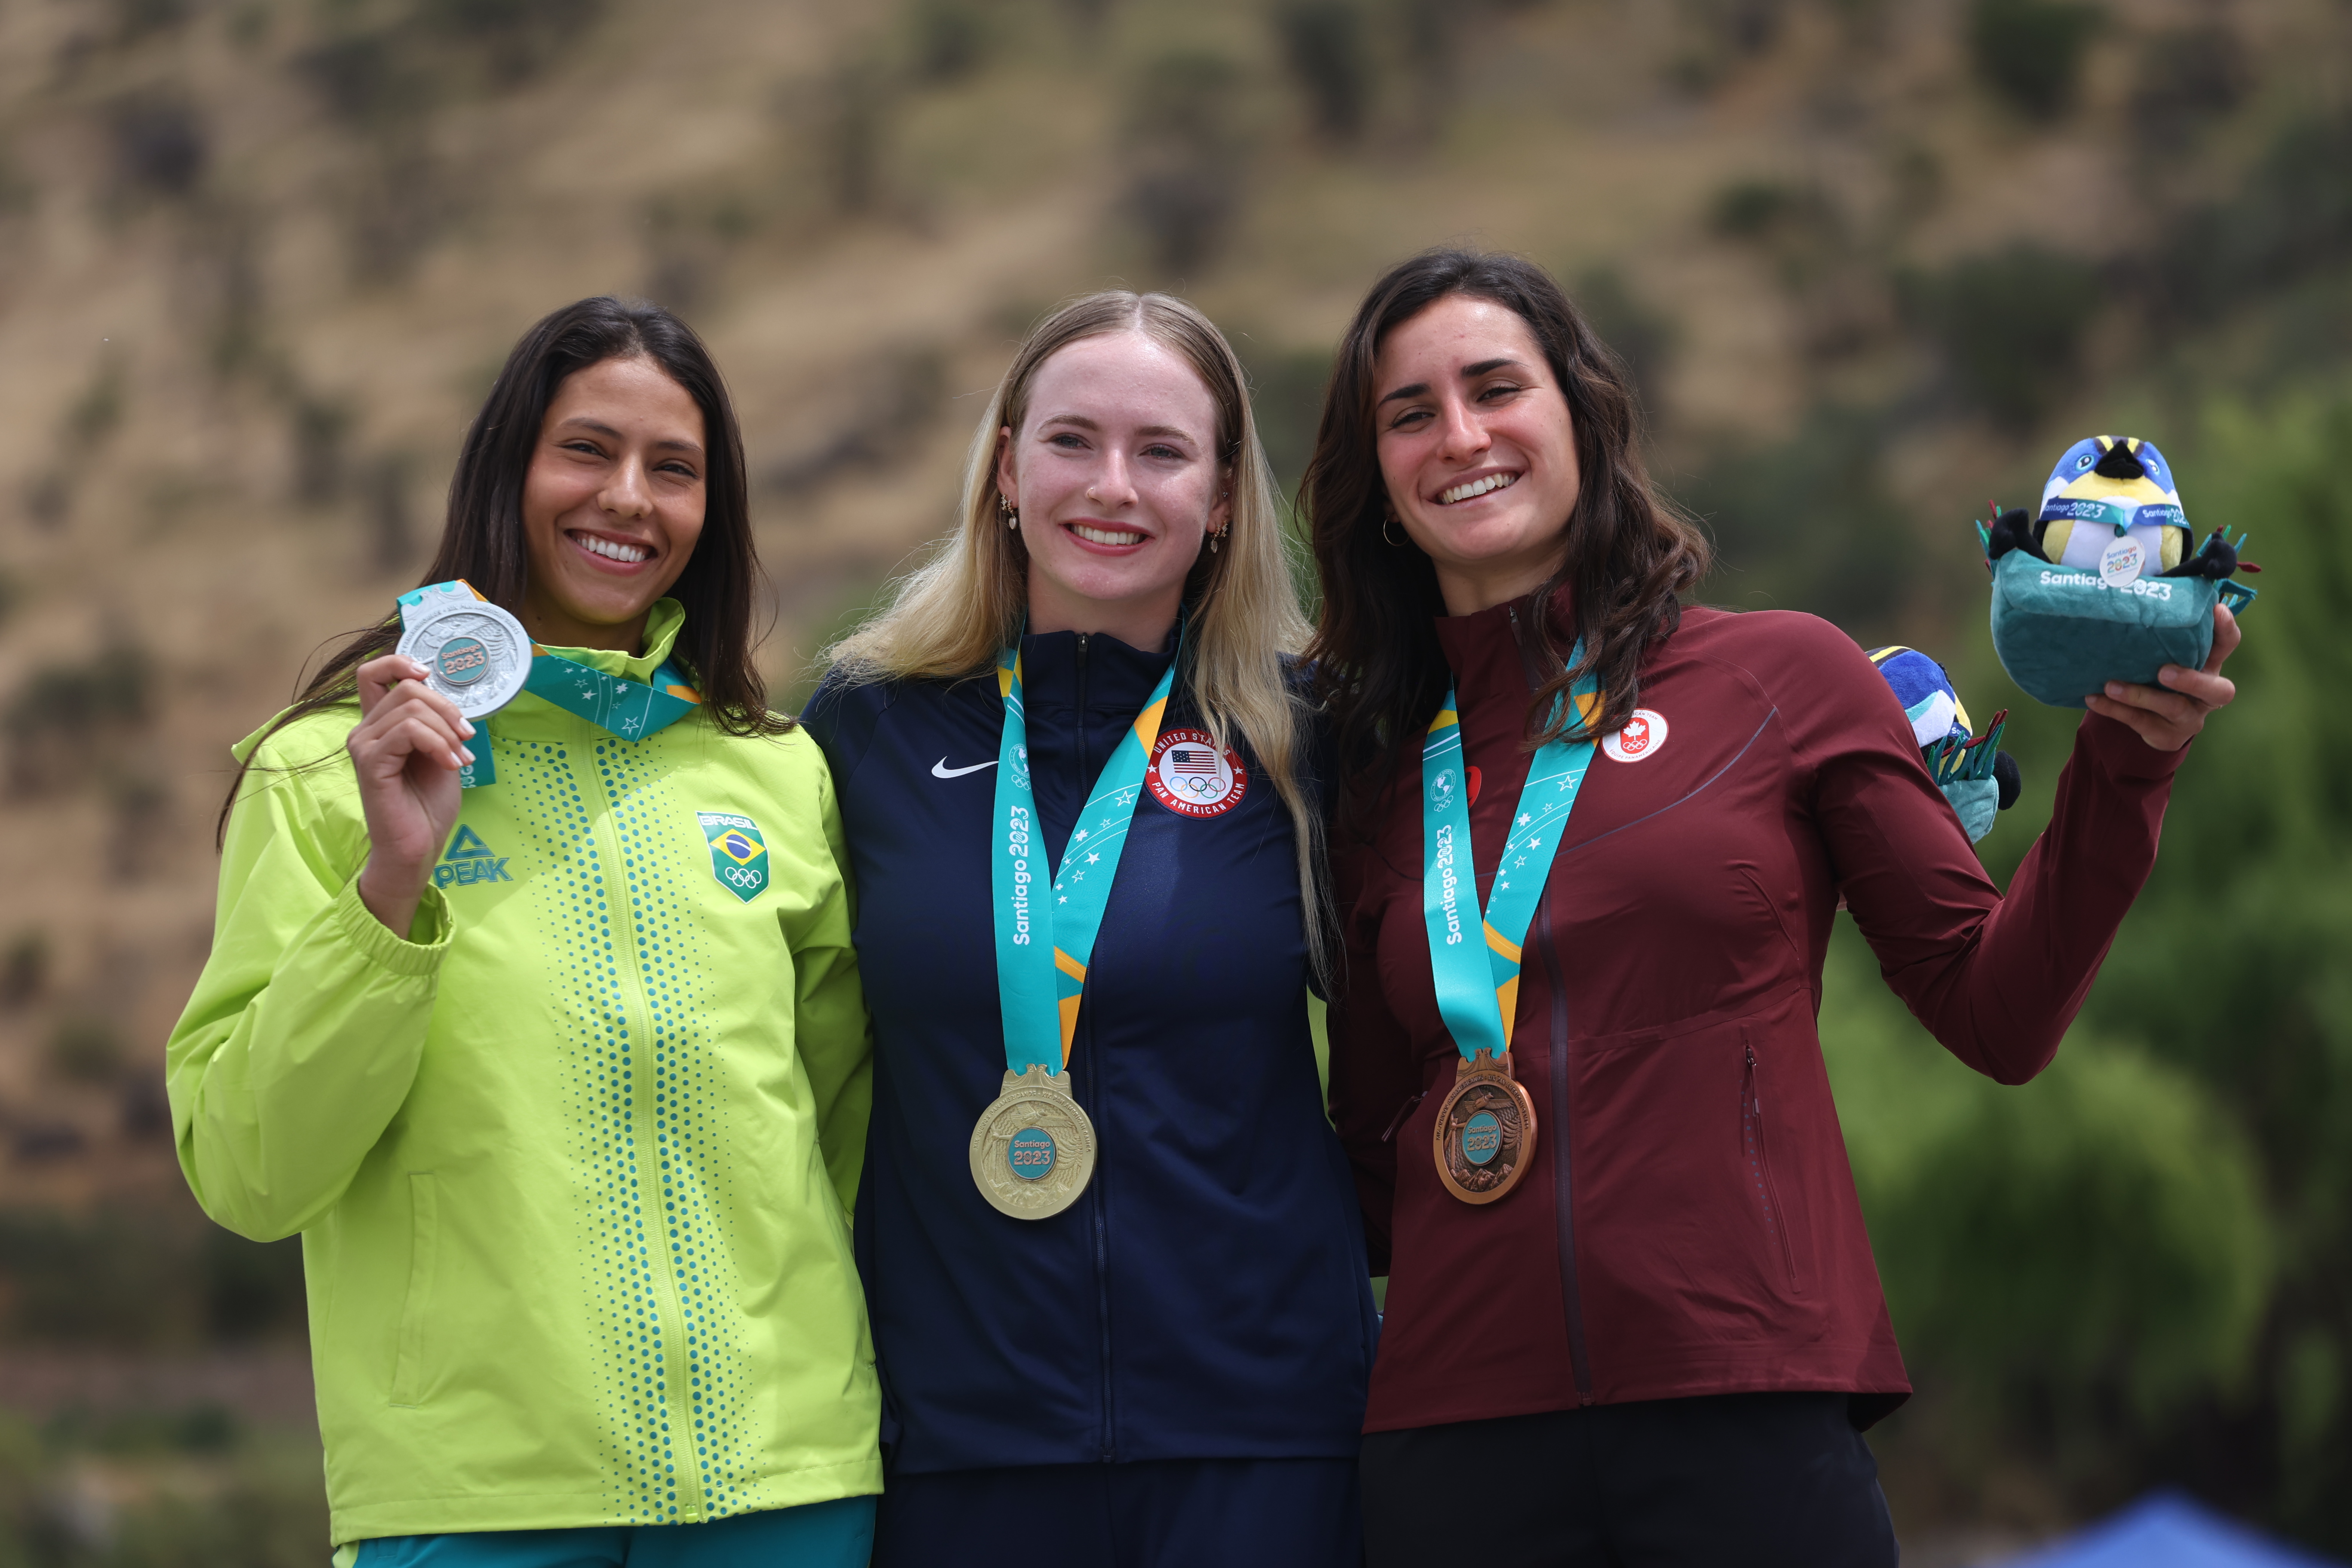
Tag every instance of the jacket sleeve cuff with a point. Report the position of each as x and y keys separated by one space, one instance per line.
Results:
x=2122 y=756
x=428 y=935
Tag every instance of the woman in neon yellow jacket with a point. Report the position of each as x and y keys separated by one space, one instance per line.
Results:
x=547 y=1036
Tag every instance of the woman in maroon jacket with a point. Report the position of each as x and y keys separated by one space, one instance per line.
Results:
x=1632 y=1315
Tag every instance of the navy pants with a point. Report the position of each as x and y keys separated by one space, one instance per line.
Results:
x=1763 y=1481
x=1166 y=1514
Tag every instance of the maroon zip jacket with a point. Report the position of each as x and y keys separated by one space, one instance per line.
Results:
x=1689 y=1224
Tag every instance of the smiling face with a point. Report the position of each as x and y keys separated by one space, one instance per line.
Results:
x=1476 y=449
x=1116 y=475
x=612 y=503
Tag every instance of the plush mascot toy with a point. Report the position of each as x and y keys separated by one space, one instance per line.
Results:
x=2099 y=584
x=1976 y=775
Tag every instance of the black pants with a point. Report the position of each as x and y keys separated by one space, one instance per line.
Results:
x=1757 y=1479
x=1165 y=1514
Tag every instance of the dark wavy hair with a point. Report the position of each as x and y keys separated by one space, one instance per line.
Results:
x=482 y=539
x=1379 y=668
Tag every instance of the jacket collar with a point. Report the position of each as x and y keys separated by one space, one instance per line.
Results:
x=663 y=623
x=1118 y=677
x=1492 y=652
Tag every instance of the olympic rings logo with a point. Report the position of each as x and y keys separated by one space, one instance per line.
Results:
x=742 y=876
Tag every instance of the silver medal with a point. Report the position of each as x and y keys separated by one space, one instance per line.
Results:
x=474 y=653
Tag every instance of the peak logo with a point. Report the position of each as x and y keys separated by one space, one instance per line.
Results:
x=468 y=860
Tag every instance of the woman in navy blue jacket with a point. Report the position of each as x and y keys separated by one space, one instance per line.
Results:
x=1109 y=1241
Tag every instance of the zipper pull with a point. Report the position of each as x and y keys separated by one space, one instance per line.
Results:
x=1754 y=1093
x=1406 y=1109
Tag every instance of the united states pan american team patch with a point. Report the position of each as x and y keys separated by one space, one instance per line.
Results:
x=739 y=856
x=1192 y=775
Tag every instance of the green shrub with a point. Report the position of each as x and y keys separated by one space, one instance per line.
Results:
x=948 y=39
x=1808 y=525
x=2229 y=977
x=24 y=968
x=1286 y=394
x=142 y=1279
x=1323 y=43
x=1641 y=336
x=2289 y=219
x=2030 y=52
x=62 y=719
x=1183 y=158
x=2011 y=326
x=86 y=1051
x=2187 y=77
x=1749 y=209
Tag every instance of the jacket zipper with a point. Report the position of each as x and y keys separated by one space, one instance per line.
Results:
x=1563 y=1174
x=681 y=1462
x=1086 y=781
x=1094 y=1199
x=1760 y=1169
x=1562 y=1171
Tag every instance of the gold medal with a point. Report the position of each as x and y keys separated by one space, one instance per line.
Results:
x=1486 y=1132
x=1034 y=1150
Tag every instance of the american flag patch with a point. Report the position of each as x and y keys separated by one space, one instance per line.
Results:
x=1192 y=776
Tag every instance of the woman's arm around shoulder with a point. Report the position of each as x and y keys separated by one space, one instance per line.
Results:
x=1374 y=1078
x=830 y=1027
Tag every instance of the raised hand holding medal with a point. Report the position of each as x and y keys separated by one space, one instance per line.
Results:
x=473 y=653
x=1485 y=1137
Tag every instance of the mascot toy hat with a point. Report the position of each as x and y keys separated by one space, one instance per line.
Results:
x=2099 y=585
x=1976 y=775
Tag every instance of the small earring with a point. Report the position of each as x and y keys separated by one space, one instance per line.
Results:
x=1212 y=541
x=1007 y=511
x=1384 y=533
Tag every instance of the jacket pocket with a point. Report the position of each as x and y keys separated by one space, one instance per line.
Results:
x=1756 y=1149
x=412 y=1368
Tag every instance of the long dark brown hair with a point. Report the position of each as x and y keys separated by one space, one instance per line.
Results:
x=1379 y=666
x=482 y=540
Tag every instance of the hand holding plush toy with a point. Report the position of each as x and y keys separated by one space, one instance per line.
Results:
x=2097 y=599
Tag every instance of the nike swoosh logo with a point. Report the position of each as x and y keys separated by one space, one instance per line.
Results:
x=940 y=769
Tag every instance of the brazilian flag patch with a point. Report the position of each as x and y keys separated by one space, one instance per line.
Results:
x=739 y=856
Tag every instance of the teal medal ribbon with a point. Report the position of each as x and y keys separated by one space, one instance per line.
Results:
x=628 y=709
x=1484 y=1137
x=1045 y=933
x=1034 y=1148
x=1479 y=1001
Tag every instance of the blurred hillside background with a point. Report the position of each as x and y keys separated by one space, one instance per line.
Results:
x=1872 y=262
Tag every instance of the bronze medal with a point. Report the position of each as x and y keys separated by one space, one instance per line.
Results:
x=1034 y=1148
x=1486 y=1132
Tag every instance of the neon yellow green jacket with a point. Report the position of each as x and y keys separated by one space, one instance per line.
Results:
x=573 y=1164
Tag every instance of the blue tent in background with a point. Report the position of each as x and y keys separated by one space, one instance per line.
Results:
x=2167 y=1531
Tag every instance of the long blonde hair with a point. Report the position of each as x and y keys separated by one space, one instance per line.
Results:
x=951 y=615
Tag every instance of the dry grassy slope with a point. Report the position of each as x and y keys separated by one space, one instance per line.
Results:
x=684 y=149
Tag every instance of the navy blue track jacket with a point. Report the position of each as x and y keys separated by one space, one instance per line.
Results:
x=1206 y=1296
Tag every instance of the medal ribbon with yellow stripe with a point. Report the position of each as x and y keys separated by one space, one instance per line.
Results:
x=1479 y=1001
x=1046 y=928
x=631 y=710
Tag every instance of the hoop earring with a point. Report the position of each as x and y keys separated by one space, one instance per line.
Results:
x=1397 y=543
x=1007 y=511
